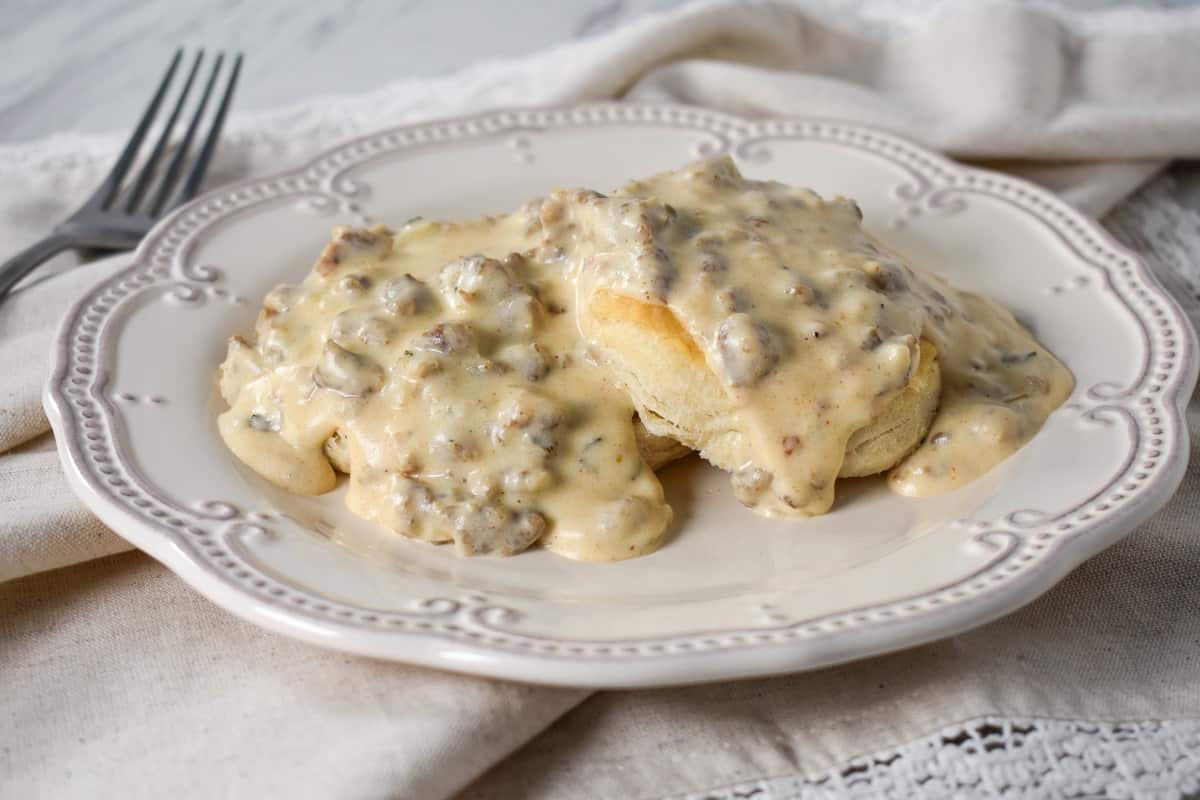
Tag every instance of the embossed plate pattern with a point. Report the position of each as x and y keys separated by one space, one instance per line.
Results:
x=132 y=401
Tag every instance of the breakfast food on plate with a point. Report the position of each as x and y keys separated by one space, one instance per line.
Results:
x=759 y=324
x=516 y=379
x=441 y=367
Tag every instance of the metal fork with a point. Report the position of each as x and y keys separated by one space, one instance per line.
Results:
x=121 y=212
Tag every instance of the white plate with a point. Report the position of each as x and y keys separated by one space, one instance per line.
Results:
x=731 y=595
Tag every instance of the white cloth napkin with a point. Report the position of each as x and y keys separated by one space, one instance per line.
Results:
x=119 y=680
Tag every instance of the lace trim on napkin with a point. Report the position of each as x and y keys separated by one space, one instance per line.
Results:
x=1011 y=758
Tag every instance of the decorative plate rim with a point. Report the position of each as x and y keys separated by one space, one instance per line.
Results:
x=201 y=541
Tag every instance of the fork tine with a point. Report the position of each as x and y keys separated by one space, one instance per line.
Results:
x=196 y=175
x=172 y=174
x=147 y=171
x=108 y=189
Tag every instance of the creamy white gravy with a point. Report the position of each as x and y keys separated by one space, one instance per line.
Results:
x=446 y=363
x=814 y=328
x=442 y=366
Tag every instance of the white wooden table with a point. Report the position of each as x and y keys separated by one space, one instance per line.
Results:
x=89 y=65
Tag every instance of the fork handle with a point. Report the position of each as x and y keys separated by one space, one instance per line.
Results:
x=28 y=259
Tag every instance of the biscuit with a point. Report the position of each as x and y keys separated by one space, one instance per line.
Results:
x=679 y=397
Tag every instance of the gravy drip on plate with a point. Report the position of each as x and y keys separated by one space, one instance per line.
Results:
x=441 y=367
x=812 y=328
